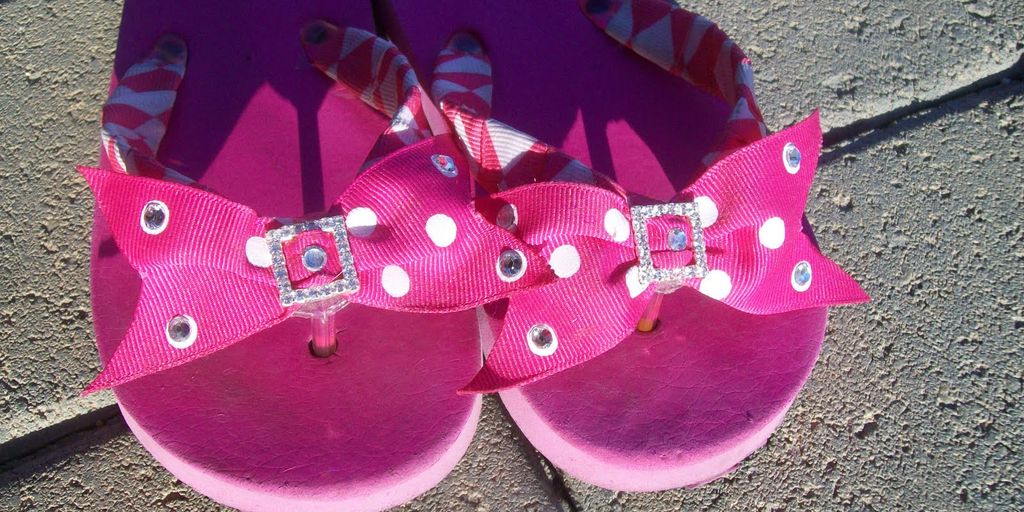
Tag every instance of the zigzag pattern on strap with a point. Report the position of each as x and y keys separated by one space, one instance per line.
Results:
x=692 y=47
x=462 y=85
x=136 y=114
x=379 y=73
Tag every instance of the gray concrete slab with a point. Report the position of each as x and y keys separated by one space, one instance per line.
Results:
x=915 y=402
x=107 y=469
x=55 y=61
x=860 y=58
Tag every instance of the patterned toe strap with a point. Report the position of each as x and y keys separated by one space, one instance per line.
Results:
x=136 y=115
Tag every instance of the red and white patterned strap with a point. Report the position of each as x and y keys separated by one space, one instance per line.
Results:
x=683 y=43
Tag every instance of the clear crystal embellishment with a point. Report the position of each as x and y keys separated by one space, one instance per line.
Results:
x=542 y=340
x=677 y=239
x=154 y=217
x=511 y=265
x=802 y=275
x=181 y=331
x=508 y=217
x=668 y=278
x=445 y=165
x=346 y=284
x=791 y=158
x=314 y=258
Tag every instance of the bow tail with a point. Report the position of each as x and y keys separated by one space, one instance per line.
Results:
x=762 y=255
x=585 y=315
x=183 y=314
x=766 y=281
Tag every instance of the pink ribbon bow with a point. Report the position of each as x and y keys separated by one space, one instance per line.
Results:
x=404 y=236
x=737 y=236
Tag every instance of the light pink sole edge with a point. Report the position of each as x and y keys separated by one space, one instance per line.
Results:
x=233 y=494
x=603 y=473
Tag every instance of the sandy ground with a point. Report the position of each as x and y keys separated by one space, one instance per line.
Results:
x=914 y=405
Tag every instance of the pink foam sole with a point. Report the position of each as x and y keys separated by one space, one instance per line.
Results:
x=264 y=425
x=228 y=491
x=685 y=404
x=677 y=407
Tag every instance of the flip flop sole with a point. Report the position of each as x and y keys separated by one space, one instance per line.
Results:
x=685 y=404
x=676 y=407
x=264 y=425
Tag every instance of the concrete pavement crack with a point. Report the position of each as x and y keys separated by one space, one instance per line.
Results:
x=859 y=127
x=32 y=442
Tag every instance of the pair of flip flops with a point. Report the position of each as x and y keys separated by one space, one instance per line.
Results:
x=398 y=215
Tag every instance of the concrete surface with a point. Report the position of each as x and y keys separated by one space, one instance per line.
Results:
x=55 y=61
x=914 y=404
x=860 y=58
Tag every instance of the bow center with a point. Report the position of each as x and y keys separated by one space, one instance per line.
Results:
x=669 y=243
x=312 y=261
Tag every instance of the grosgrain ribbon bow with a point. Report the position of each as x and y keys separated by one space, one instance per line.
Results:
x=737 y=237
x=404 y=236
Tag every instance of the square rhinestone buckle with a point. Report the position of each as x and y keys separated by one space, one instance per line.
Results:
x=346 y=284
x=668 y=277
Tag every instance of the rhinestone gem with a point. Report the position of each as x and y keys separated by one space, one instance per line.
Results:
x=181 y=331
x=511 y=265
x=314 y=258
x=542 y=339
x=801 y=279
x=791 y=158
x=445 y=165
x=154 y=217
x=508 y=217
x=677 y=239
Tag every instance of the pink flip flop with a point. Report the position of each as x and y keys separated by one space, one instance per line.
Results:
x=197 y=298
x=715 y=215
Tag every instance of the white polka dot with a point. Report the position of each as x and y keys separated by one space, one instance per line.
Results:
x=707 y=210
x=616 y=225
x=633 y=282
x=717 y=285
x=441 y=229
x=395 y=281
x=772 y=233
x=258 y=252
x=361 y=221
x=565 y=260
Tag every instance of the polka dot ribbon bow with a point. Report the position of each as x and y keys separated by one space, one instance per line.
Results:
x=737 y=235
x=404 y=236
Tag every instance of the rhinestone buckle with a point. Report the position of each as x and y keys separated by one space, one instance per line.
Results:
x=668 y=277
x=346 y=284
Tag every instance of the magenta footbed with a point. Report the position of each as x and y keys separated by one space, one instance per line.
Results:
x=685 y=404
x=264 y=425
